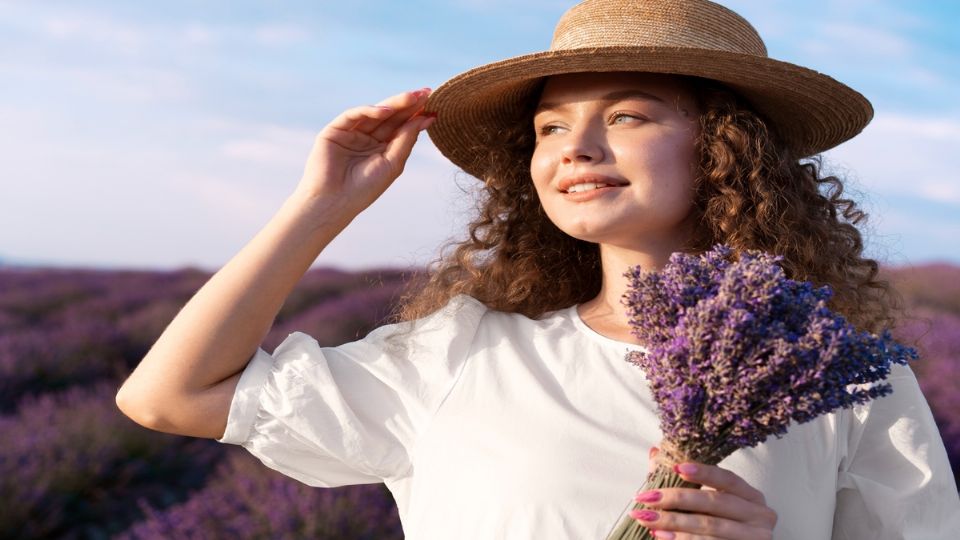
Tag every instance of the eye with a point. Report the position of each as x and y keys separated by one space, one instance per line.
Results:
x=620 y=117
x=549 y=129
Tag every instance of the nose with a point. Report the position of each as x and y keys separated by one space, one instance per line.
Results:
x=583 y=145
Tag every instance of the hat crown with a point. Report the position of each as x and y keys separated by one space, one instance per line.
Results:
x=695 y=24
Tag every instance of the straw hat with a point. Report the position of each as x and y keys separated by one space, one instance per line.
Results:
x=811 y=111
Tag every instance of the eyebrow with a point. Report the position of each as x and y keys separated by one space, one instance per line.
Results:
x=612 y=96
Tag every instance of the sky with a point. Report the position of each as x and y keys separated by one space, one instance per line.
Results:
x=166 y=134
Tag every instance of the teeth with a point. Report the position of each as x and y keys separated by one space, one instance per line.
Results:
x=587 y=186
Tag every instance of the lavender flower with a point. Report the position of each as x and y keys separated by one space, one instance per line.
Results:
x=737 y=351
x=247 y=500
x=70 y=461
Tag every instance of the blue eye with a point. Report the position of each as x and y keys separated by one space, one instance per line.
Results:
x=622 y=117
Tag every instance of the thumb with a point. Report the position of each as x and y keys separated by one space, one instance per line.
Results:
x=653 y=454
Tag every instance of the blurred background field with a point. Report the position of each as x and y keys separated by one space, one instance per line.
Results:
x=71 y=466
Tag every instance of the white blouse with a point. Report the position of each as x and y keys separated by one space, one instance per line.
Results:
x=490 y=425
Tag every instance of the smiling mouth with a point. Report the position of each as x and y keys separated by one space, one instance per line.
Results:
x=589 y=182
x=587 y=186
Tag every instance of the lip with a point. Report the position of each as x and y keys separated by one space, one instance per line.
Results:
x=570 y=181
x=582 y=196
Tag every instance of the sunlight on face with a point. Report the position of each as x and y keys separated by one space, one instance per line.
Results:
x=615 y=157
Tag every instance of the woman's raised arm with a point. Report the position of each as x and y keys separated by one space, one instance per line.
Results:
x=185 y=383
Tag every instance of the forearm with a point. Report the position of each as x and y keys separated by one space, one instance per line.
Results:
x=218 y=330
x=186 y=382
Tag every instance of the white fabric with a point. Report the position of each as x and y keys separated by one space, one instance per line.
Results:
x=488 y=425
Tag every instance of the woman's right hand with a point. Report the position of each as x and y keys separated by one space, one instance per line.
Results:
x=360 y=153
x=186 y=382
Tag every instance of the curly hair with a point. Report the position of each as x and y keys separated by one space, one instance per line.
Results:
x=750 y=193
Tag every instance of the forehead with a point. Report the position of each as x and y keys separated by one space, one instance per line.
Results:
x=575 y=87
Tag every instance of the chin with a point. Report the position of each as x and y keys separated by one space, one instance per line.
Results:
x=587 y=234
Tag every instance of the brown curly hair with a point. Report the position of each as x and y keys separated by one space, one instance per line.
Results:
x=750 y=193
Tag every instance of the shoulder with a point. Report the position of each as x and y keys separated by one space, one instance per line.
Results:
x=450 y=328
x=465 y=316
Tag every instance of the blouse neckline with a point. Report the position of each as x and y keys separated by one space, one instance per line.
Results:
x=597 y=336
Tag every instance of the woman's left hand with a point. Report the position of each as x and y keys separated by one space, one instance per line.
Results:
x=732 y=509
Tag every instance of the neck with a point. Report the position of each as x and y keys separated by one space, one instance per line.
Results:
x=605 y=312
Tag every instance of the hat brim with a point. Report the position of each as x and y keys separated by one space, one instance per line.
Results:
x=811 y=112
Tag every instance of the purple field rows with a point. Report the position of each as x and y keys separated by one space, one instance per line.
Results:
x=72 y=466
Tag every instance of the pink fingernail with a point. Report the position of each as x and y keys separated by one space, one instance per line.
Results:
x=663 y=534
x=648 y=496
x=686 y=468
x=644 y=515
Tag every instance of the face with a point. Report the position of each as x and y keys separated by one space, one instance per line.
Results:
x=614 y=161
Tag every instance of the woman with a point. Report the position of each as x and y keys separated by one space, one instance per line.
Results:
x=503 y=408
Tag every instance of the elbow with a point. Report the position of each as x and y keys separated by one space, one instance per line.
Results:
x=193 y=415
x=137 y=409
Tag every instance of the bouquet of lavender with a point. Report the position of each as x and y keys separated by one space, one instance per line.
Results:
x=736 y=352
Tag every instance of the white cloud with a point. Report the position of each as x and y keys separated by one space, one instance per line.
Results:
x=280 y=34
x=500 y=5
x=220 y=196
x=80 y=28
x=857 y=41
x=198 y=35
x=923 y=128
x=905 y=166
x=851 y=37
x=941 y=191
x=270 y=145
x=140 y=84
x=904 y=154
x=111 y=33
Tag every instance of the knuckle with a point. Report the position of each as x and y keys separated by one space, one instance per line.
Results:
x=678 y=499
x=731 y=478
x=716 y=499
x=701 y=523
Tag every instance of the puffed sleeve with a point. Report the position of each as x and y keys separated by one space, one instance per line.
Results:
x=894 y=481
x=333 y=416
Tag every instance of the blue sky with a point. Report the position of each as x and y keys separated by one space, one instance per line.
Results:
x=144 y=134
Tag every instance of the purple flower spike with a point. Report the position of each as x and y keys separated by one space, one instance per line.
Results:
x=736 y=351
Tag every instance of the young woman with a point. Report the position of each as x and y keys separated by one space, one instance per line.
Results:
x=502 y=406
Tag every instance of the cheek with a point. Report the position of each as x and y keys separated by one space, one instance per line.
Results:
x=677 y=159
x=540 y=170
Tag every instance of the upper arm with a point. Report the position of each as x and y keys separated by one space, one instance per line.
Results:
x=202 y=413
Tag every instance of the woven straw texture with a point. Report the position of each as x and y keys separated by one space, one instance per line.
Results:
x=811 y=111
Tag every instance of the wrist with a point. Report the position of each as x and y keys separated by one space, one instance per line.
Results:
x=319 y=211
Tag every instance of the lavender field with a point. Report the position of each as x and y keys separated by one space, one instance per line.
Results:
x=71 y=466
